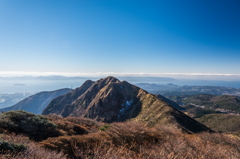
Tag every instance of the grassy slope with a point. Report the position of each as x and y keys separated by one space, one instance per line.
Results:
x=135 y=140
x=157 y=112
x=116 y=140
x=222 y=122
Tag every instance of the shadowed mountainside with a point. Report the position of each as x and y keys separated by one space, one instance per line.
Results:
x=172 y=103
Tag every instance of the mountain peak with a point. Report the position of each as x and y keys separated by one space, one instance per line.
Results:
x=110 y=100
x=109 y=79
x=87 y=84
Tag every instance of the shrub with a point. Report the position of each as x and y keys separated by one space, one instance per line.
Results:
x=7 y=146
x=90 y=124
x=54 y=116
x=36 y=127
x=71 y=128
x=104 y=127
x=20 y=147
x=33 y=150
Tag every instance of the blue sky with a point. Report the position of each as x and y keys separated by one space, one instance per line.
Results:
x=120 y=36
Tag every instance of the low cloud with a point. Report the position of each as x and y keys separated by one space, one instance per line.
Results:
x=122 y=74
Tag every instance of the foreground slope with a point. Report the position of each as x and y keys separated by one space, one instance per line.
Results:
x=111 y=100
x=26 y=135
x=37 y=102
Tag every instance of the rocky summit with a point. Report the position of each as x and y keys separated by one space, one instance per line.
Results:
x=111 y=100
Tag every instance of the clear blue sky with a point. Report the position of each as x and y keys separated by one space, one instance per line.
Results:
x=187 y=36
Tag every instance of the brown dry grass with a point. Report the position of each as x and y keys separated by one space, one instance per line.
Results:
x=86 y=138
x=87 y=122
x=74 y=125
x=134 y=140
x=33 y=150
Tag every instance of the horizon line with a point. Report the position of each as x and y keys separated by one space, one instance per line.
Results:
x=97 y=74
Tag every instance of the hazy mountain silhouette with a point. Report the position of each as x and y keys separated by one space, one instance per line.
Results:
x=37 y=102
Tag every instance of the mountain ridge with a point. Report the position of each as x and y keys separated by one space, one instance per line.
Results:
x=110 y=100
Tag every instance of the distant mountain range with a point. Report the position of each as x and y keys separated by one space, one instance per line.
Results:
x=171 y=89
x=7 y=100
x=111 y=100
x=37 y=102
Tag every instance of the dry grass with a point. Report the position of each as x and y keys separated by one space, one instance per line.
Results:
x=33 y=150
x=222 y=122
x=88 y=139
x=134 y=140
x=75 y=125
x=86 y=122
x=70 y=128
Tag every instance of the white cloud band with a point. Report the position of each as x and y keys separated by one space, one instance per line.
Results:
x=98 y=74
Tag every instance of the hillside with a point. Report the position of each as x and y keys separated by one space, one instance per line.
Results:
x=222 y=122
x=223 y=103
x=37 y=102
x=191 y=110
x=197 y=112
x=27 y=135
x=110 y=100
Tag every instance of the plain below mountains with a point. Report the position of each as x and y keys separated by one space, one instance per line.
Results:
x=222 y=103
x=37 y=102
x=171 y=89
x=110 y=100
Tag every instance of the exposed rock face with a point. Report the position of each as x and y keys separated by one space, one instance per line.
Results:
x=111 y=100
